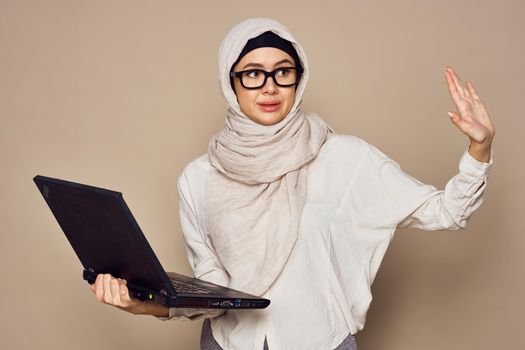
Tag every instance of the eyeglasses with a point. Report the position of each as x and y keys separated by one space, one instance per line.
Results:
x=256 y=78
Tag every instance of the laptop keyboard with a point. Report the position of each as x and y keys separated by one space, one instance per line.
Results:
x=185 y=288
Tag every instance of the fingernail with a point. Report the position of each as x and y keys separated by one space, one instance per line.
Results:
x=449 y=114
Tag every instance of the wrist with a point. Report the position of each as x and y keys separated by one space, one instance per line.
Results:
x=135 y=307
x=480 y=150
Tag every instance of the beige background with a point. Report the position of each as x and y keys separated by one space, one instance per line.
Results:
x=122 y=94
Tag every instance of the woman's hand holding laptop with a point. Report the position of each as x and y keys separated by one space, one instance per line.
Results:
x=113 y=291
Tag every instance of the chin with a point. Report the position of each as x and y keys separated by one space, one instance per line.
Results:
x=268 y=119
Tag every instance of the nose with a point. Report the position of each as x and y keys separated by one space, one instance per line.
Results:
x=270 y=86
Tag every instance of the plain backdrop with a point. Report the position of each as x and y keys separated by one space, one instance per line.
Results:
x=123 y=94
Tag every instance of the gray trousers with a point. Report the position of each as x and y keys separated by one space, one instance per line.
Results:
x=209 y=343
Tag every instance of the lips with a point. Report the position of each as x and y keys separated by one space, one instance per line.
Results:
x=269 y=106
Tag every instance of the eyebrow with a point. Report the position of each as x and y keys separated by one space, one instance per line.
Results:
x=258 y=65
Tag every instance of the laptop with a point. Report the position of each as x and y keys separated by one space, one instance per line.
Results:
x=107 y=239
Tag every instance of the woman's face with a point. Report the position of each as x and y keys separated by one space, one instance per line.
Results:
x=269 y=104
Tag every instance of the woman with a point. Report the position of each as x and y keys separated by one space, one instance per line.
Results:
x=284 y=208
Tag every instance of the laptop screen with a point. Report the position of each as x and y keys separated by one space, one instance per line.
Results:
x=103 y=232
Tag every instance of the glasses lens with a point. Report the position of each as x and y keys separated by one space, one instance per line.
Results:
x=253 y=78
x=286 y=76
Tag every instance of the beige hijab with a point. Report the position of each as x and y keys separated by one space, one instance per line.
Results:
x=254 y=199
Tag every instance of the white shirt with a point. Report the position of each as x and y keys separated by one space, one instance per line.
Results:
x=356 y=197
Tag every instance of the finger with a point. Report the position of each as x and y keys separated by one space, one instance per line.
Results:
x=454 y=117
x=458 y=121
x=108 y=298
x=125 y=298
x=452 y=88
x=473 y=91
x=115 y=291
x=99 y=287
x=457 y=82
x=124 y=294
x=479 y=104
x=122 y=282
x=467 y=92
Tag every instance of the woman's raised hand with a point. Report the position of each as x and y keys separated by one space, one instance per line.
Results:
x=471 y=117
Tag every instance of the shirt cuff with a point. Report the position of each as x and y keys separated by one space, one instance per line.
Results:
x=473 y=167
x=171 y=314
x=191 y=313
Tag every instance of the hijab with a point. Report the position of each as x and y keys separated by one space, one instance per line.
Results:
x=255 y=195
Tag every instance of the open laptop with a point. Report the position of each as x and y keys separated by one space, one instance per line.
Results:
x=107 y=239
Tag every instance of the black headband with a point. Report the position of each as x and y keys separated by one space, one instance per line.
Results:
x=269 y=39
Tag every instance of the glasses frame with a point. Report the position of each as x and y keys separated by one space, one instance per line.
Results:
x=239 y=74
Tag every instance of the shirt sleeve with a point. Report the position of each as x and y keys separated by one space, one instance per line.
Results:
x=452 y=207
x=383 y=196
x=375 y=197
x=202 y=259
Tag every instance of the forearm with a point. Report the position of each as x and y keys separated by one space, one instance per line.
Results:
x=138 y=307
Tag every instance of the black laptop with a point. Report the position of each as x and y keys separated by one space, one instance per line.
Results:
x=107 y=239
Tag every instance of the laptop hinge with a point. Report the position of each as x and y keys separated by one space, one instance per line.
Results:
x=90 y=269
